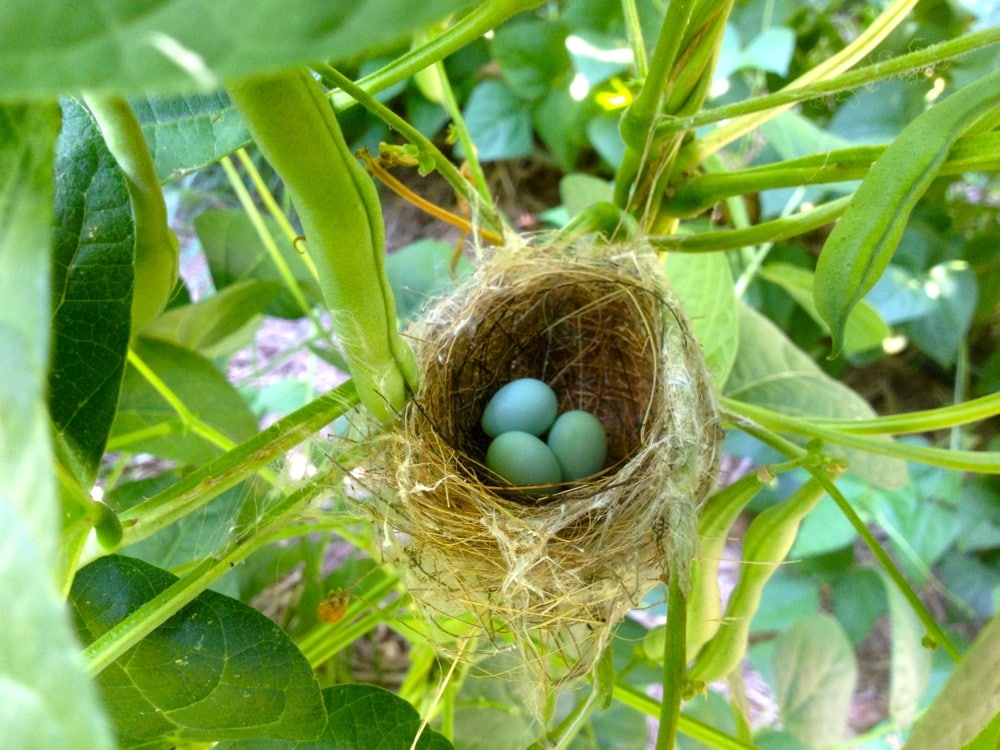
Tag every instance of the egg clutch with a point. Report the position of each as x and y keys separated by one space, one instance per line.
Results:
x=517 y=418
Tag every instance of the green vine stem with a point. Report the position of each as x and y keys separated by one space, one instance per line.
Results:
x=698 y=150
x=481 y=19
x=768 y=231
x=984 y=462
x=674 y=664
x=972 y=153
x=202 y=485
x=704 y=733
x=792 y=451
x=144 y=620
x=918 y=421
x=480 y=199
x=864 y=76
x=157 y=254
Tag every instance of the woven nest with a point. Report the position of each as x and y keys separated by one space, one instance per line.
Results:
x=556 y=572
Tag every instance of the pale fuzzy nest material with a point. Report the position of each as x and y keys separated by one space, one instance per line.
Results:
x=557 y=573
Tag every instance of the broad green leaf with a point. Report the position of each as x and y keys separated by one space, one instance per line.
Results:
x=859 y=600
x=704 y=282
x=218 y=669
x=771 y=371
x=816 y=672
x=968 y=702
x=560 y=123
x=580 y=191
x=235 y=252
x=862 y=243
x=215 y=326
x=199 y=385
x=360 y=717
x=953 y=294
x=865 y=328
x=499 y=122
x=786 y=598
x=910 y=667
x=92 y=290
x=823 y=531
x=46 y=701
x=49 y=47
x=419 y=272
x=188 y=131
x=532 y=56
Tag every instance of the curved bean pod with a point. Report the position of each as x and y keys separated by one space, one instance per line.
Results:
x=337 y=202
x=861 y=245
x=157 y=254
x=767 y=542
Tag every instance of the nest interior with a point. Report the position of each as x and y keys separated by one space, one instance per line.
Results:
x=609 y=338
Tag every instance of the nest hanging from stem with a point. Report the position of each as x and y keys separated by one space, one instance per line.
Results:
x=556 y=572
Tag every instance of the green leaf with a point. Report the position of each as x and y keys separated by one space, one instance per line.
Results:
x=360 y=717
x=580 y=191
x=214 y=326
x=910 y=667
x=92 y=290
x=217 y=669
x=188 y=131
x=199 y=385
x=48 y=47
x=498 y=122
x=46 y=700
x=235 y=253
x=816 y=672
x=862 y=243
x=771 y=371
x=859 y=600
x=953 y=294
x=865 y=330
x=968 y=702
x=532 y=56
x=421 y=271
x=704 y=282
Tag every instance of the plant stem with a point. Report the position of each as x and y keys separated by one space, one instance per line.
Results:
x=674 y=662
x=985 y=462
x=200 y=486
x=482 y=18
x=865 y=76
x=890 y=18
x=479 y=198
x=768 y=231
x=919 y=421
x=633 y=30
x=144 y=620
x=189 y=421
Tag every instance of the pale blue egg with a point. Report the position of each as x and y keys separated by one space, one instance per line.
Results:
x=524 y=405
x=523 y=459
x=579 y=443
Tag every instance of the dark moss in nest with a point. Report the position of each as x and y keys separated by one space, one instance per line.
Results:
x=559 y=571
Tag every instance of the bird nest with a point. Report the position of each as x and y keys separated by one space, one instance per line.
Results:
x=556 y=572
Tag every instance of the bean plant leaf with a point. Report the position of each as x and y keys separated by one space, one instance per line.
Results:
x=92 y=290
x=217 y=669
x=188 y=131
x=419 y=272
x=969 y=700
x=816 y=671
x=862 y=244
x=212 y=325
x=360 y=717
x=49 y=47
x=499 y=122
x=204 y=390
x=771 y=371
x=235 y=252
x=704 y=282
x=532 y=56
x=46 y=700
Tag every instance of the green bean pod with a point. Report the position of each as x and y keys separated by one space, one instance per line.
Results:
x=861 y=245
x=295 y=128
x=157 y=254
x=767 y=542
x=716 y=518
